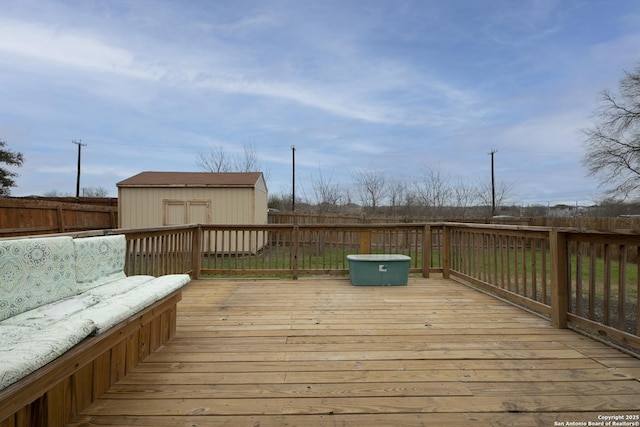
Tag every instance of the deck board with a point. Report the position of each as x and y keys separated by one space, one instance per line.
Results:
x=320 y=352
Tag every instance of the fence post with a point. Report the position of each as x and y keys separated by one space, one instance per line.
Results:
x=113 y=219
x=61 y=228
x=446 y=251
x=196 y=252
x=426 y=251
x=559 y=279
x=294 y=251
x=365 y=242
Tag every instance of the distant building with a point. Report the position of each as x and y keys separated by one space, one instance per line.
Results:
x=155 y=199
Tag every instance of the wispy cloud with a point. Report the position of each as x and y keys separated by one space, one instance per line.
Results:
x=149 y=84
x=48 y=44
x=522 y=24
x=67 y=49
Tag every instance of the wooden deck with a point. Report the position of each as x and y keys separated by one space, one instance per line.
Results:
x=320 y=352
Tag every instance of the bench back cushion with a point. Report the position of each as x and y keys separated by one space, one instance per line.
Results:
x=34 y=272
x=99 y=260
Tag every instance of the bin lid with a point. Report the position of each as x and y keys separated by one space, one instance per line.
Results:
x=378 y=257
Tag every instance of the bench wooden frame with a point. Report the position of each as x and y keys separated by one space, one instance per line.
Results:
x=55 y=393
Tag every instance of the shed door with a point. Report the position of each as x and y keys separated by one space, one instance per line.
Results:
x=179 y=212
x=175 y=212
x=199 y=212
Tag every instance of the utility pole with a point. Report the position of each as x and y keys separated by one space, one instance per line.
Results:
x=80 y=145
x=293 y=178
x=493 y=185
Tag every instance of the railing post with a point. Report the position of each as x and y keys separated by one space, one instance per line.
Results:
x=196 y=252
x=426 y=250
x=365 y=242
x=559 y=279
x=446 y=251
x=294 y=251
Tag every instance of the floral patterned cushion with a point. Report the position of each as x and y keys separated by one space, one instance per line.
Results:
x=56 y=291
x=118 y=287
x=34 y=272
x=24 y=349
x=51 y=313
x=99 y=260
x=164 y=285
x=116 y=308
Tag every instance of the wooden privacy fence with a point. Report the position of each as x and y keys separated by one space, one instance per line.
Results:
x=583 y=222
x=22 y=217
x=582 y=279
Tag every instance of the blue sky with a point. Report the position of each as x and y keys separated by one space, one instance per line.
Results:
x=392 y=86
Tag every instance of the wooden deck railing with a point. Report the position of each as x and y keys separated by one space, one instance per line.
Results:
x=303 y=249
x=583 y=279
x=587 y=279
x=604 y=283
x=164 y=250
x=513 y=262
x=270 y=249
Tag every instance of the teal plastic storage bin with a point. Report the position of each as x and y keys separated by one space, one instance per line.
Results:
x=379 y=269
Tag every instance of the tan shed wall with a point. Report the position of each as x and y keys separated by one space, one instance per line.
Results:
x=261 y=202
x=149 y=207
x=155 y=207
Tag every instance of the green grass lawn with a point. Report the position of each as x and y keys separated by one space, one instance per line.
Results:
x=281 y=258
x=516 y=264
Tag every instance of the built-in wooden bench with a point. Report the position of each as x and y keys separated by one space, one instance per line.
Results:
x=53 y=394
x=72 y=324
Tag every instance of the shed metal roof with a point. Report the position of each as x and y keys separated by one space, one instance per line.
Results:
x=192 y=179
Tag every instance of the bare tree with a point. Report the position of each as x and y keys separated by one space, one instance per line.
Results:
x=411 y=202
x=370 y=184
x=433 y=191
x=248 y=162
x=327 y=194
x=215 y=160
x=503 y=191
x=397 y=191
x=56 y=193
x=465 y=197
x=94 y=192
x=86 y=192
x=281 y=201
x=219 y=160
x=613 y=143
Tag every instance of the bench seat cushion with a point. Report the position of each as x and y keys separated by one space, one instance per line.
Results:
x=46 y=315
x=117 y=308
x=164 y=285
x=25 y=349
x=118 y=287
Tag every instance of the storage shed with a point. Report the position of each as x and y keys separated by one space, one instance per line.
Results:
x=154 y=199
